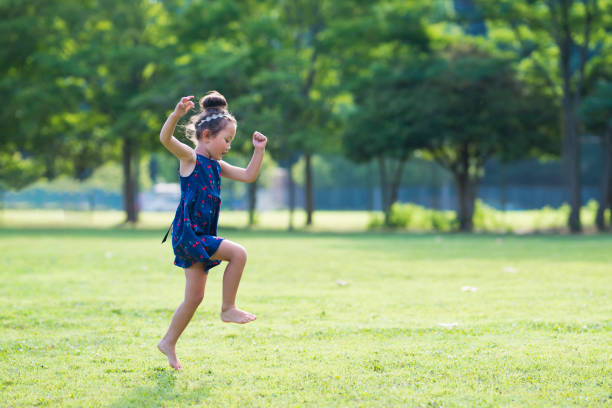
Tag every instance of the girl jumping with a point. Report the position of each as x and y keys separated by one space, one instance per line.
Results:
x=197 y=248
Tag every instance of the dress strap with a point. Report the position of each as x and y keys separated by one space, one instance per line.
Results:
x=166 y=236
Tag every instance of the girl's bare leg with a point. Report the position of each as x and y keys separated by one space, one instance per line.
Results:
x=236 y=256
x=195 y=282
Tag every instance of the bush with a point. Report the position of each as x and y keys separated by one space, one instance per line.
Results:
x=376 y=221
x=487 y=218
x=416 y=218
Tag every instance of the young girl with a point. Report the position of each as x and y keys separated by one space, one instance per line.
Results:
x=194 y=229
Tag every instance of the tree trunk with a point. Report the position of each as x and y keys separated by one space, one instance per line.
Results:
x=571 y=160
x=252 y=202
x=371 y=187
x=309 y=188
x=291 y=187
x=466 y=186
x=397 y=181
x=571 y=100
x=384 y=190
x=130 y=182
x=606 y=181
x=466 y=193
x=390 y=189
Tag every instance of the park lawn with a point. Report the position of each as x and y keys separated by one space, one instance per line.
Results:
x=353 y=319
x=324 y=221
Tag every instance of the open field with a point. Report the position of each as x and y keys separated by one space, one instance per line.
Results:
x=520 y=222
x=344 y=319
x=336 y=221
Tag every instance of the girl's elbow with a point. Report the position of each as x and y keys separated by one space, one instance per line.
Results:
x=165 y=141
x=248 y=177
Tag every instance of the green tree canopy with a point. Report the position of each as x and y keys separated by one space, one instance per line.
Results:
x=477 y=108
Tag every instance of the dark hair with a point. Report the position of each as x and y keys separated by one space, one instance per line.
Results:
x=211 y=104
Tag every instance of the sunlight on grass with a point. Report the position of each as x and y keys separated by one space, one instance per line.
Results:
x=354 y=319
x=544 y=220
x=267 y=220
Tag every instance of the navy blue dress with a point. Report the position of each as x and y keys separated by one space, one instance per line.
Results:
x=194 y=229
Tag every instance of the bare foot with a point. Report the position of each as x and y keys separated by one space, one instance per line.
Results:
x=234 y=315
x=168 y=350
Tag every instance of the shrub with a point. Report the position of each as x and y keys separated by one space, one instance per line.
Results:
x=487 y=218
x=417 y=218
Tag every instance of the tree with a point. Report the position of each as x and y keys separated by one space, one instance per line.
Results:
x=314 y=126
x=45 y=129
x=16 y=172
x=478 y=108
x=383 y=49
x=79 y=84
x=122 y=65
x=385 y=127
x=289 y=85
x=568 y=32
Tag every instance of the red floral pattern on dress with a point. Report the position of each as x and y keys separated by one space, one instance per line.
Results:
x=194 y=232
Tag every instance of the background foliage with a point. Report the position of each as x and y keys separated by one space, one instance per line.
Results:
x=456 y=82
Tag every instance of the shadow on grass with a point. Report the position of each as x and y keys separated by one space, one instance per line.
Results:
x=163 y=392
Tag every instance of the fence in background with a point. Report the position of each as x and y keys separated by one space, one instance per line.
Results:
x=166 y=199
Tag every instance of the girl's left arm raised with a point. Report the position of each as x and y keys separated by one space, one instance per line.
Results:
x=249 y=174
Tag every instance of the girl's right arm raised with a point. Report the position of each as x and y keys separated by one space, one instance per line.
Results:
x=183 y=152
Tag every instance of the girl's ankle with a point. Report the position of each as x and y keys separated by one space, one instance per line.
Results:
x=225 y=308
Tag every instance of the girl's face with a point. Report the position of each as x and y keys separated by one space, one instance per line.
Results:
x=218 y=145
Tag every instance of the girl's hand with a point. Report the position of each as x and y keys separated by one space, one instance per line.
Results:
x=183 y=106
x=259 y=140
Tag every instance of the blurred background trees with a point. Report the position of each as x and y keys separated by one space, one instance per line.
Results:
x=560 y=41
x=465 y=84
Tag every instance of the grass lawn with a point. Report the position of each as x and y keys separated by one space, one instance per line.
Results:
x=344 y=319
x=520 y=222
x=324 y=221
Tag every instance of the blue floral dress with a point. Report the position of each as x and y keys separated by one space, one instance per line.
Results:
x=194 y=229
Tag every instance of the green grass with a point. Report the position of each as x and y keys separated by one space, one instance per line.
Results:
x=328 y=221
x=420 y=219
x=81 y=310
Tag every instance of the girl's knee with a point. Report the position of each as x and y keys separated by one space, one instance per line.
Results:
x=230 y=251
x=194 y=300
x=239 y=253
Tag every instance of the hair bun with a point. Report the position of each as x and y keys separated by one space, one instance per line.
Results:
x=213 y=100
